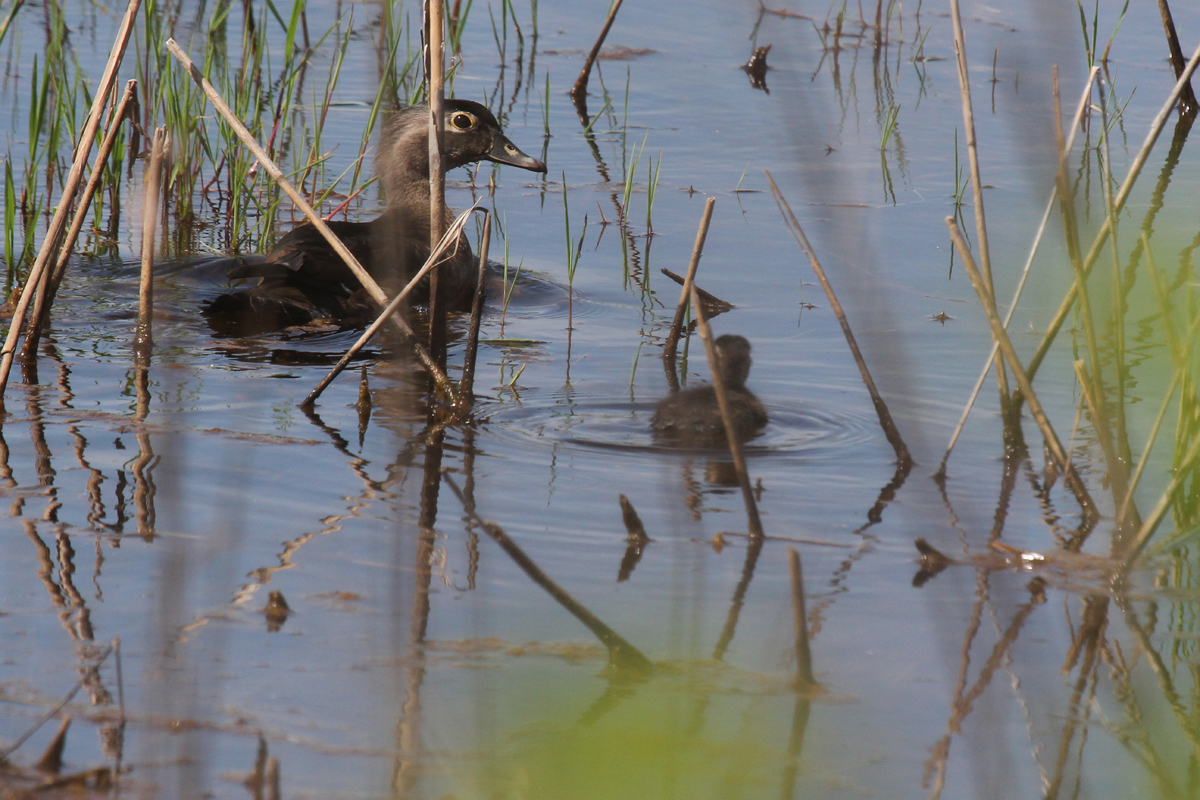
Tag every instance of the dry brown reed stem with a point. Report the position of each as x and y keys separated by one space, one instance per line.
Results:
x=377 y=294
x=619 y=648
x=466 y=386
x=88 y=672
x=985 y=253
x=579 y=90
x=804 y=673
x=689 y=279
x=735 y=445
x=449 y=238
x=144 y=338
x=435 y=14
x=1010 y=354
x=1131 y=177
x=1012 y=306
x=48 y=288
x=1188 y=96
x=885 y=418
x=70 y=186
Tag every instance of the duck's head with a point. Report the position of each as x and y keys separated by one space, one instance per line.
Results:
x=733 y=351
x=471 y=134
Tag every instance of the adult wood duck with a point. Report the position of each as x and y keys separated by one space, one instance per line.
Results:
x=694 y=417
x=303 y=279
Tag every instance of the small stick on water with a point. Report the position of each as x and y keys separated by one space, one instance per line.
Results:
x=885 y=418
x=450 y=237
x=47 y=289
x=377 y=294
x=1010 y=355
x=735 y=445
x=804 y=673
x=143 y=340
x=70 y=188
x=635 y=539
x=53 y=712
x=579 y=90
x=466 y=397
x=689 y=279
x=1012 y=306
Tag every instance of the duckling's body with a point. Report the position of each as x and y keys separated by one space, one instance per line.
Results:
x=693 y=416
x=303 y=279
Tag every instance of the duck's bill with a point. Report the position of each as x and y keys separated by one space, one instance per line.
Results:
x=505 y=152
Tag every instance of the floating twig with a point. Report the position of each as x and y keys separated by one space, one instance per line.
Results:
x=70 y=187
x=685 y=295
x=885 y=418
x=713 y=305
x=1010 y=354
x=377 y=294
x=635 y=538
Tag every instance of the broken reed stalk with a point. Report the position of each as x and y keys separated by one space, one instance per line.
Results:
x=1010 y=354
x=47 y=289
x=579 y=90
x=377 y=294
x=70 y=187
x=804 y=673
x=1131 y=177
x=689 y=279
x=144 y=339
x=1012 y=306
x=466 y=385
x=435 y=32
x=619 y=648
x=735 y=445
x=885 y=418
x=1187 y=96
x=985 y=254
x=428 y=268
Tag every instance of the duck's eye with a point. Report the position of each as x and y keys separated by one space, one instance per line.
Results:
x=462 y=121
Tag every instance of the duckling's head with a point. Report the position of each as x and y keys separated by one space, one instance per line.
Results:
x=471 y=134
x=733 y=353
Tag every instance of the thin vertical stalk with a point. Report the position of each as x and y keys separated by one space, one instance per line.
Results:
x=144 y=339
x=804 y=673
x=689 y=279
x=49 y=288
x=735 y=446
x=985 y=255
x=435 y=13
x=467 y=384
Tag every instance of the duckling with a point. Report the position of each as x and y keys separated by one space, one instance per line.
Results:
x=304 y=279
x=693 y=416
